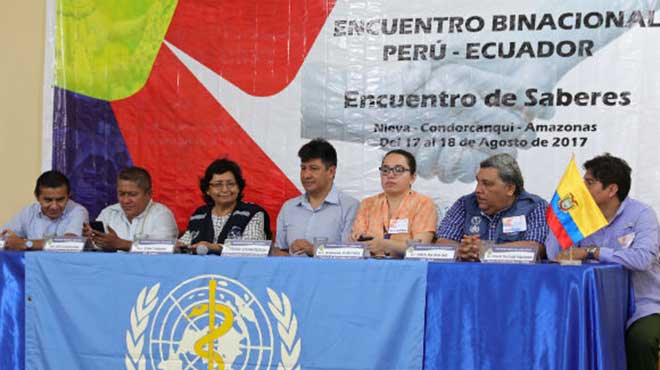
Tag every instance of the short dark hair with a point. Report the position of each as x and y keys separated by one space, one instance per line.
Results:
x=410 y=159
x=318 y=149
x=507 y=169
x=218 y=167
x=609 y=169
x=51 y=179
x=138 y=175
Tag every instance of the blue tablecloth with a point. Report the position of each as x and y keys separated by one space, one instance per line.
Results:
x=545 y=316
x=12 y=310
x=478 y=316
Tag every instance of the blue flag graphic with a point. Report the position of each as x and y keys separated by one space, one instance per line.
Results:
x=120 y=311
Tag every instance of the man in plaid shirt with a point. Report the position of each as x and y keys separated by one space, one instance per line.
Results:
x=499 y=210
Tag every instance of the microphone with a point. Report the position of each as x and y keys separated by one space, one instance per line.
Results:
x=202 y=250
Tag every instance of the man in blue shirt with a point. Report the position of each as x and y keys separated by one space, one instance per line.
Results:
x=323 y=211
x=630 y=239
x=54 y=214
x=499 y=210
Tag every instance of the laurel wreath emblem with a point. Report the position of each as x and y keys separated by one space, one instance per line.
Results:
x=280 y=307
x=287 y=327
x=146 y=302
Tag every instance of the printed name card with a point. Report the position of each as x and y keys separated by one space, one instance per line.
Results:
x=503 y=254
x=2 y=242
x=153 y=246
x=431 y=252
x=246 y=248
x=340 y=251
x=65 y=244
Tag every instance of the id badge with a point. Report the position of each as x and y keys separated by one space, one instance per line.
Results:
x=514 y=224
x=626 y=240
x=398 y=226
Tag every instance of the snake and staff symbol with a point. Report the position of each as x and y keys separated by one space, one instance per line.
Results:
x=205 y=346
x=208 y=322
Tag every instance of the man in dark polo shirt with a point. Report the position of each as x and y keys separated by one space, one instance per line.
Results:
x=499 y=210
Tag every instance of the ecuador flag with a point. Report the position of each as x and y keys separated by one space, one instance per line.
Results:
x=573 y=214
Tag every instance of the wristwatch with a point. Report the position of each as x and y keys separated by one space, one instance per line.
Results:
x=28 y=244
x=591 y=253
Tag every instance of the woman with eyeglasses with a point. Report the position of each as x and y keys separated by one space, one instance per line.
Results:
x=387 y=220
x=225 y=215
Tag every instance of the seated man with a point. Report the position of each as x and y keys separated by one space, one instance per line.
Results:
x=54 y=214
x=323 y=211
x=631 y=240
x=136 y=215
x=499 y=210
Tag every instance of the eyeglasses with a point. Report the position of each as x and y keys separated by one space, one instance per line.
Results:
x=396 y=170
x=220 y=185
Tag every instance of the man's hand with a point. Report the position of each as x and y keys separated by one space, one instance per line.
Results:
x=87 y=230
x=468 y=248
x=577 y=253
x=12 y=241
x=301 y=246
x=110 y=241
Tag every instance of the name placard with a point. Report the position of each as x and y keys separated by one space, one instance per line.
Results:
x=340 y=251
x=246 y=248
x=431 y=252
x=65 y=244
x=2 y=242
x=504 y=254
x=153 y=246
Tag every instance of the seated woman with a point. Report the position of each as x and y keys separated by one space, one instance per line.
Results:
x=387 y=220
x=224 y=216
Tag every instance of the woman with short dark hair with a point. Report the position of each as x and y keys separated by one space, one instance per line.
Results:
x=225 y=215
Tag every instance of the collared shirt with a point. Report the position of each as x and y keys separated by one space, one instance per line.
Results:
x=31 y=223
x=465 y=218
x=332 y=219
x=155 y=222
x=631 y=239
x=416 y=214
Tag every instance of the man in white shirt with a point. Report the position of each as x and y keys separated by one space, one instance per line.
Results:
x=136 y=214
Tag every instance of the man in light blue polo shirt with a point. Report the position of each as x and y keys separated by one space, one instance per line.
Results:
x=323 y=211
x=54 y=214
x=630 y=239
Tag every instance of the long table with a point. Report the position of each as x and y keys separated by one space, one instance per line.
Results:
x=474 y=316
x=526 y=317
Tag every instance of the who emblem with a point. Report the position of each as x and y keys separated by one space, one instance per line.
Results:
x=211 y=322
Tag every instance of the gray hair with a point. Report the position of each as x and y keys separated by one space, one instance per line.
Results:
x=507 y=168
